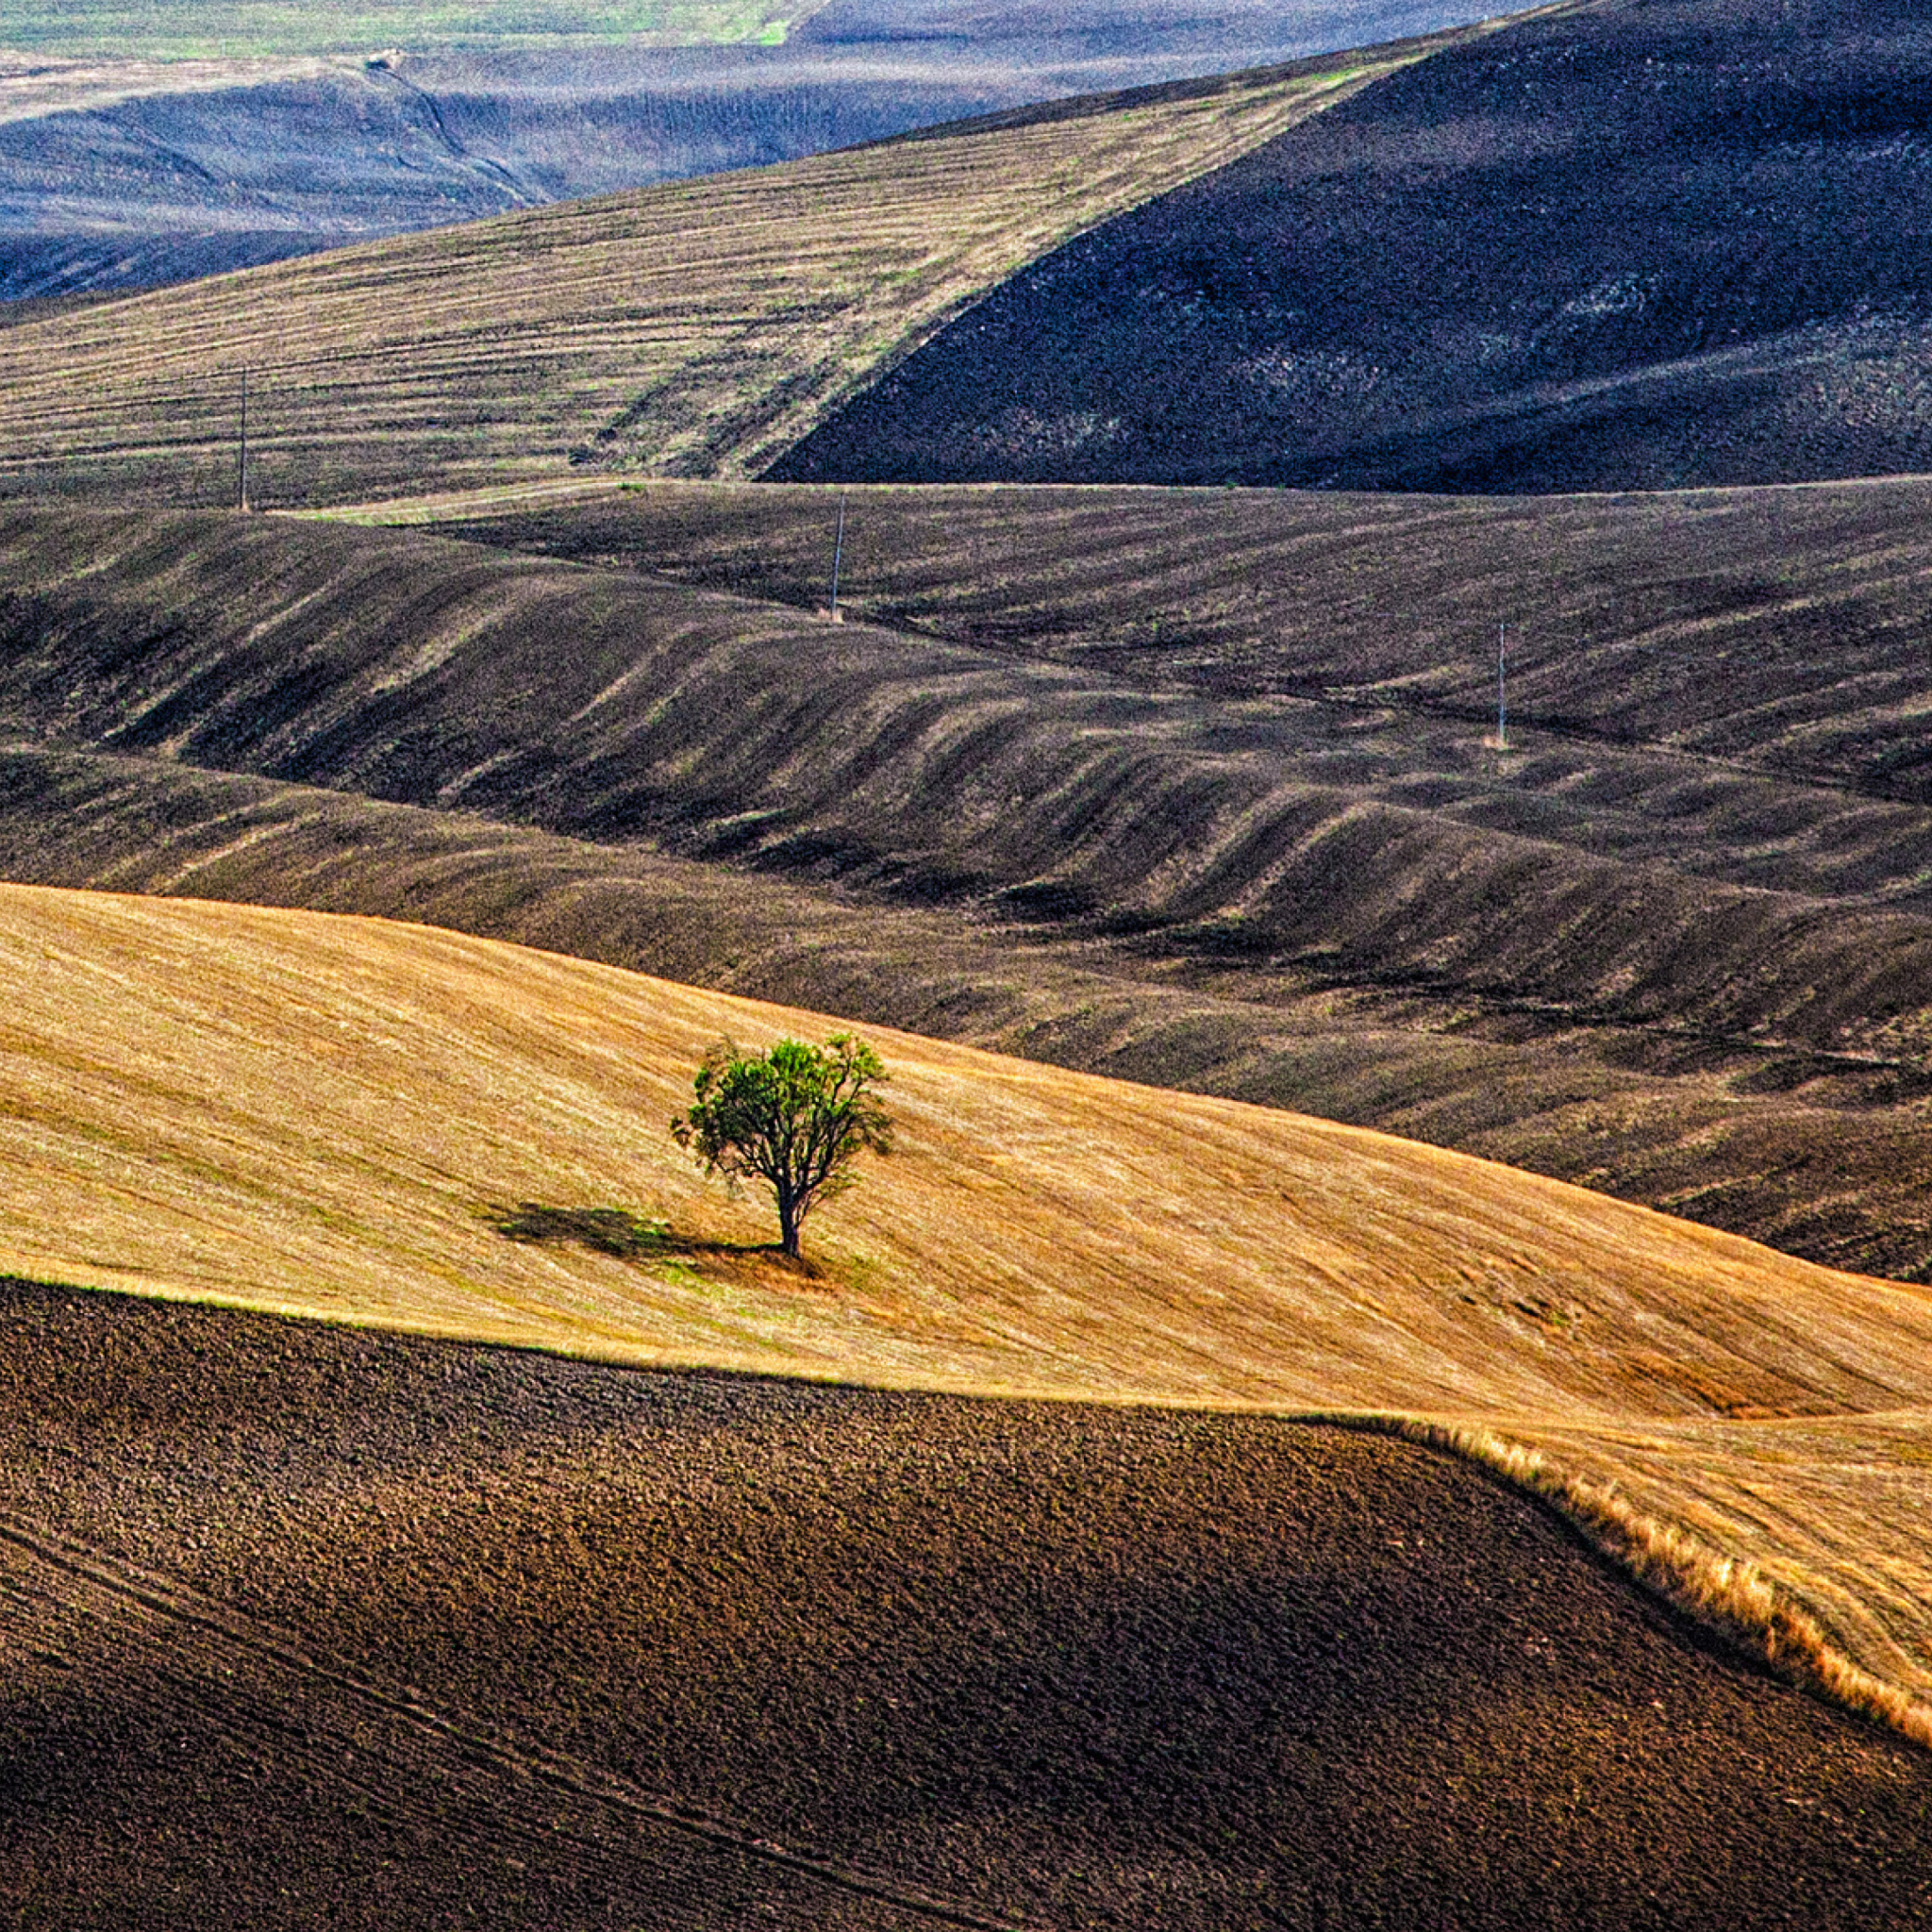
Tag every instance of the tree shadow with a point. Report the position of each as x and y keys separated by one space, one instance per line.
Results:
x=630 y=1237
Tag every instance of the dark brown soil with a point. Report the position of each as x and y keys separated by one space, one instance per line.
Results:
x=1638 y=244
x=1797 y=1148
x=308 y=1625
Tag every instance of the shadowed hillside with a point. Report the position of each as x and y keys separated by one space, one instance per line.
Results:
x=586 y=1646
x=1636 y=244
x=695 y=329
x=128 y=173
x=1789 y=1145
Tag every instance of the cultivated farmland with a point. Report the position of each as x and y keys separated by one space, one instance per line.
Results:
x=1637 y=244
x=1350 y=906
x=1147 y=1508
x=352 y=1118
x=394 y=1621
x=695 y=329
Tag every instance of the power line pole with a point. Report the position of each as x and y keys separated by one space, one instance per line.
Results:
x=838 y=557
x=241 y=456
x=1502 y=697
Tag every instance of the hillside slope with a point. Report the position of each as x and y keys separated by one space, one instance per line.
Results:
x=1568 y=956
x=1638 y=244
x=1790 y=1146
x=391 y=1124
x=566 y=1645
x=120 y=172
x=168 y=187
x=697 y=329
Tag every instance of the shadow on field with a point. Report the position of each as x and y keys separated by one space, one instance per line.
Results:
x=631 y=1237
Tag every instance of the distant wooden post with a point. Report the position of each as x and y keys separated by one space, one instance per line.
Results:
x=241 y=456
x=838 y=557
x=1502 y=699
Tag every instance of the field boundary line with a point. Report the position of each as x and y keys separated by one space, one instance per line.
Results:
x=1728 y=1595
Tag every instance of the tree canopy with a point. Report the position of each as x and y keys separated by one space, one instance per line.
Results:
x=795 y=1117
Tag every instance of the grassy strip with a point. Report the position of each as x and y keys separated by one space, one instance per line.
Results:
x=1727 y=1594
x=204 y=29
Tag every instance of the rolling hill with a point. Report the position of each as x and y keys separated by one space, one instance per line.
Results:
x=699 y=329
x=1789 y=1147
x=266 y=30
x=1694 y=981
x=391 y=1125
x=352 y=1627
x=124 y=173
x=1638 y=244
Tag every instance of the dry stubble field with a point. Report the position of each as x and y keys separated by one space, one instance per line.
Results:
x=1695 y=981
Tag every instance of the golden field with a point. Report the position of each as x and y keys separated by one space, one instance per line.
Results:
x=318 y=1115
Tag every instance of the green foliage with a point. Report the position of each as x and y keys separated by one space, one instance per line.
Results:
x=240 y=29
x=794 y=1118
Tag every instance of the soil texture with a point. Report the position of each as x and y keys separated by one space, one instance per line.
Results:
x=313 y=1626
x=1638 y=244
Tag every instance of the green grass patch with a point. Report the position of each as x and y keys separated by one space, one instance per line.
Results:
x=207 y=29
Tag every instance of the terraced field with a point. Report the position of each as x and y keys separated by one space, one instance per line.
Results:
x=695 y=329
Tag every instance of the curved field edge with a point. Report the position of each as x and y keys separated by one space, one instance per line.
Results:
x=696 y=329
x=1753 y=1058
x=314 y=1115
x=1728 y=1594
x=1729 y=1597
x=146 y=825
x=1464 y=1667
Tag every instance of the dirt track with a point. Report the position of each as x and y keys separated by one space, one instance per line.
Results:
x=324 y=1626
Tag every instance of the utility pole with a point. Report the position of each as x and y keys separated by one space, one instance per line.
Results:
x=242 y=457
x=838 y=557
x=1502 y=699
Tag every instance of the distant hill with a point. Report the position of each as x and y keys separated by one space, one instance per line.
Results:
x=189 y=30
x=1637 y=244
x=695 y=329
x=119 y=172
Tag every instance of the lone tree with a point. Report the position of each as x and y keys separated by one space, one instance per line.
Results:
x=794 y=1118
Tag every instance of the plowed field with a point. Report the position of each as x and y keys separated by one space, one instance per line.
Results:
x=336 y=1626
x=390 y=1124
x=1638 y=244
x=1266 y=822
x=693 y=330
